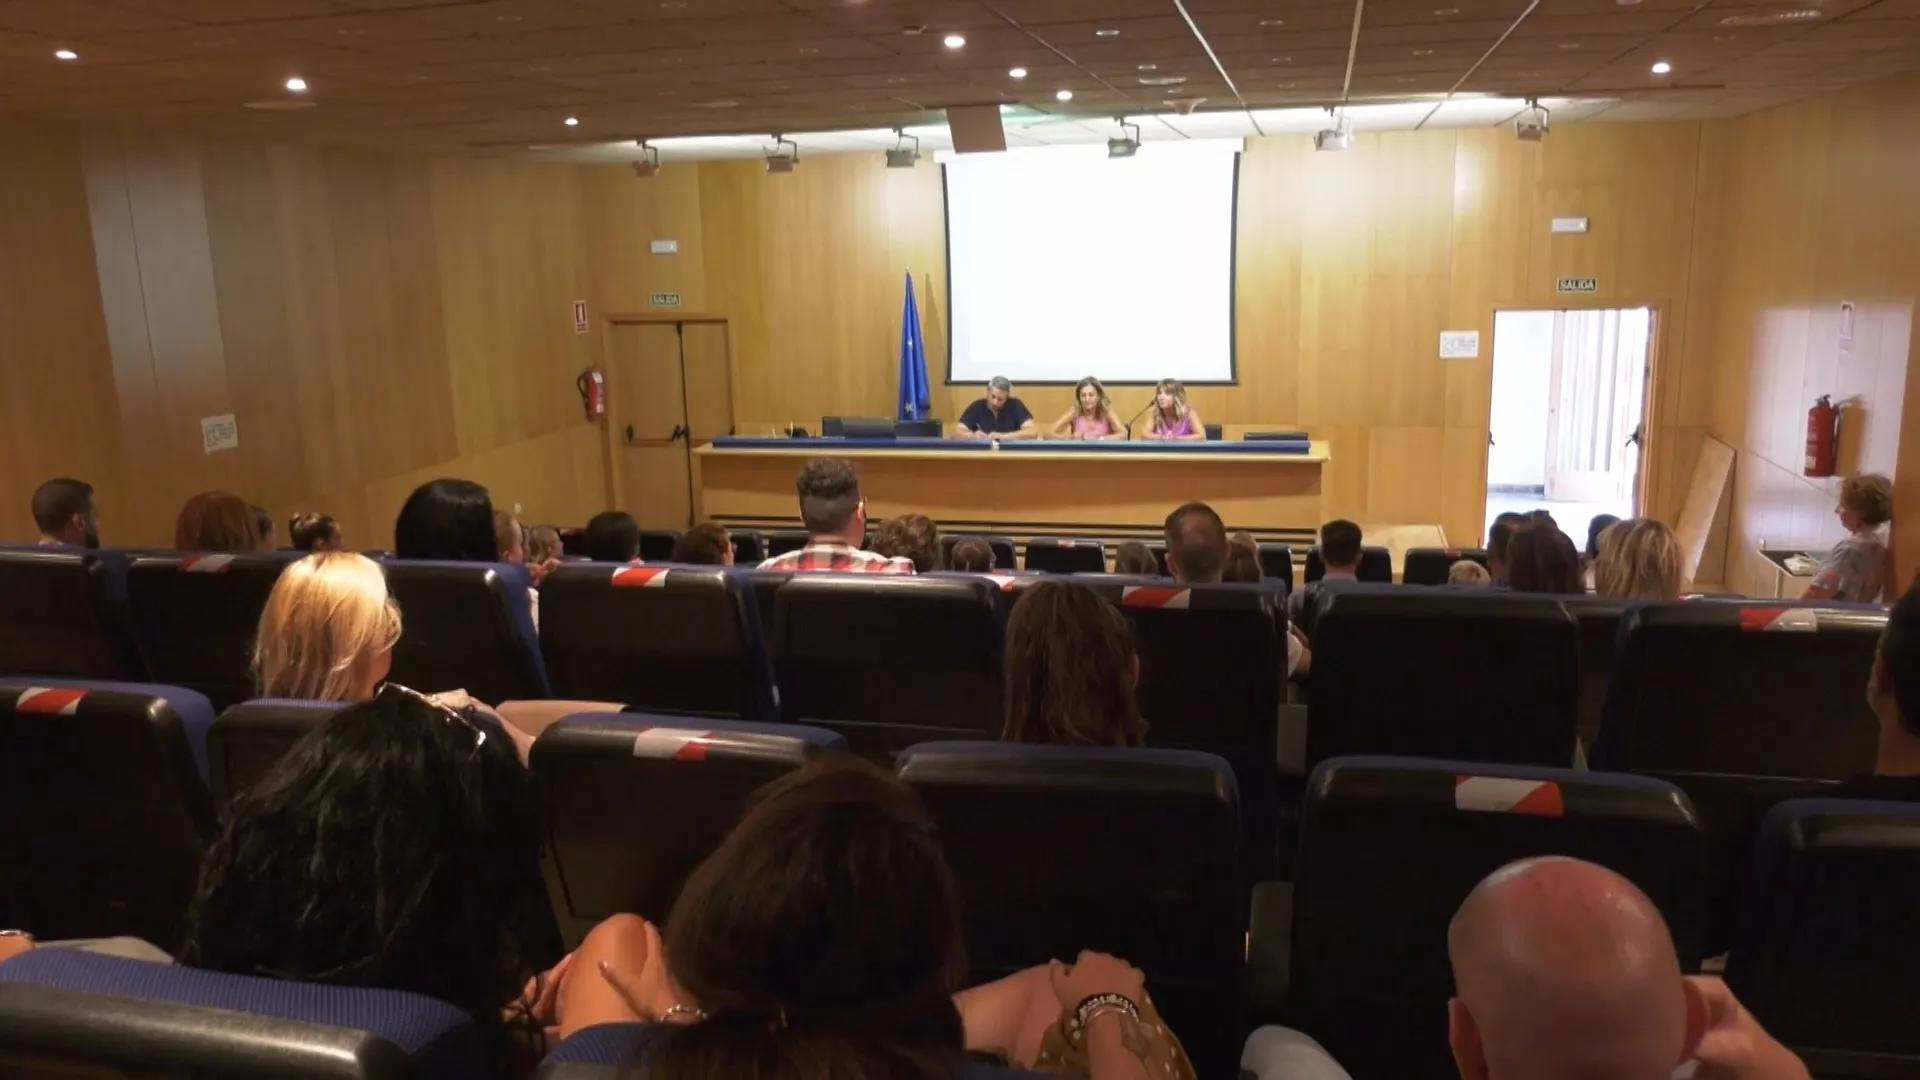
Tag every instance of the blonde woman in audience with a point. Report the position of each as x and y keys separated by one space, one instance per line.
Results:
x=1136 y=558
x=314 y=532
x=1639 y=560
x=1243 y=559
x=1856 y=568
x=1091 y=418
x=216 y=521
x=1071 y=670
x=1173 y=420
x=1468 y=572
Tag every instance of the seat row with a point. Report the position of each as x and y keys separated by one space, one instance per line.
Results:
x=1053 y=849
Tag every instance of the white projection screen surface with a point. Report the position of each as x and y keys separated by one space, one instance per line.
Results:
x=1064 y=263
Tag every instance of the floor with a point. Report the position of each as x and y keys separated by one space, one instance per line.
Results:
x=1572 y=516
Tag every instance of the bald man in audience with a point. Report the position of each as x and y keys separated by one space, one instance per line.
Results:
x=1566 y=971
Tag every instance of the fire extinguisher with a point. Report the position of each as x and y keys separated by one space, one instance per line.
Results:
x=593 y=393
x=1823 y=435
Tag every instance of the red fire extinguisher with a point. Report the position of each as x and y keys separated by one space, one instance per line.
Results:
x=1823 y=435
x=593 y=393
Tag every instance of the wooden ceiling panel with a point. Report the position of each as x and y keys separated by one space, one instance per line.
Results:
x=75 y=19
x=228 y=11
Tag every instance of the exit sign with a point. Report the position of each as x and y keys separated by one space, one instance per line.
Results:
x=1577 y=285
x=666 y=299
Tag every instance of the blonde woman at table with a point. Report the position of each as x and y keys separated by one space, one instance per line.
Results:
x=1173 y=420
x=1091 y=418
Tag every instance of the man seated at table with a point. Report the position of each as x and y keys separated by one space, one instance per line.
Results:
x=999 y=415
x=835 y=515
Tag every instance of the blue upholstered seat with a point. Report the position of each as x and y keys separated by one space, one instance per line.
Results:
x=469 y=626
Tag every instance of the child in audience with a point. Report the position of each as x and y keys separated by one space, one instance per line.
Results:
x=910 y=536
x=823 y=938
x=1172 y=418
x=1243 y=559
x=396 y=846
x=509 y=539
x=1468 y=572
x=1541 y=559
x=972 y=555
x=543 y=545
x=706 y=544
x=1136 y=558
x=1856 y=568
x=1071 y=670
x=216 y=521
x=328 y=630
x=312 y=532
x=1092 y=415
x=263 y=523
x=613 y=536
x=1639 y=560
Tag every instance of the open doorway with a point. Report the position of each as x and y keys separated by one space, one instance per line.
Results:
x=1568 y=416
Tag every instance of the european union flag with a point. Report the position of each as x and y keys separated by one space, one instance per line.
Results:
x=915 y=397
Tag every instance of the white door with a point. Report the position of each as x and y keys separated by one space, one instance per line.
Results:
x=1596 y=404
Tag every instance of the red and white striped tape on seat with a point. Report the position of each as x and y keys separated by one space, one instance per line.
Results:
x=49 y=701
x=1795 y=620
x=206 y=564
x=1502 y=795
x=671 y=744
x=640 y=577
x=1155 y=596
x=1005 y=581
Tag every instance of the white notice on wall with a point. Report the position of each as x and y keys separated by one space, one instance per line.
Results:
x=219 y=433
x=1459 y=344
x=1569 y=224
x=665 y=247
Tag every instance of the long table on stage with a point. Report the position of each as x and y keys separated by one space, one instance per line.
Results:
x=1026 y=488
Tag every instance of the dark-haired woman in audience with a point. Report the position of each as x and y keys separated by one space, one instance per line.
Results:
x=216 y=521
x=1243 y=559
x=910 y=536
x=1091 y=418
x=1542 y=559
x=971 y=555
x=1071 y=670
x=1135 y=558
x=452 y=520
x=706 y=544
x=312 y=532
x=823 y=939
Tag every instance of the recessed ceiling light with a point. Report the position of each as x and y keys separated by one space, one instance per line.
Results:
x=1661 y=67
x=669 y=60
x=672 y=5
x=1148 y=67
x=1273 y=22
x=1106 y=32
x=1529 y=74
x=1569 y=44
x=65 y=54
x=1017 y=73
x=1064 y=95
x=1772 y=18
x=1446 y=11
x=1283 y=59
x=1726 y=37
x=809 y=50
x=297 y=84
x=1423 y=52
x=955 y=41
x=508 y=18
x=1626 y=3
x=571 y=121
x=1285 y=86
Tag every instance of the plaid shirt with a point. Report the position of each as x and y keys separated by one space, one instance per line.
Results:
x=838 y=557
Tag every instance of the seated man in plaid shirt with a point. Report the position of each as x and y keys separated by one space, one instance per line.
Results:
x=836 y=519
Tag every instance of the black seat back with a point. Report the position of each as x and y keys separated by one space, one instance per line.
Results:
x=889 y=661
x=1598 y=618
x=63 y=612
x=656 y=545
x=1430 y=566
x=1376 y=564
x=1446 y=673
x=1058 y=849
x=1276 y=561
x=1066 y=555
x=105 y=809
x=635 y=802
x=749 y=547
x=1390 y=847
x=784 y=540
x=670 y=639
x=469 y=627
x=196 y=615
x=248 y=739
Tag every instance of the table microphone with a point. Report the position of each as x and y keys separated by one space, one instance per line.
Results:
x=1136 y=416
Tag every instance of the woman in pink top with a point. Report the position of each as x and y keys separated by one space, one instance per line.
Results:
x=1173 y=419
x=1092 y=418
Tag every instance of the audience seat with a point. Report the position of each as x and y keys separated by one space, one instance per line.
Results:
x=573 y=541
x=1159 y=549
x=609 y=1051
x=63 y=613
x=1376 y=564
x=1742 y=706
x=1827 y=959
x=682 y=640
x=468 y=627
x=196 y=616
x=77 y=1012
x=1430 y=566
x=1598 y=619
x=889 y=661
x=784 y=540
x=749 y=547
x=1389 y=847
x=250 y=738
x=1057 y=849
x=635 y=802
x=1465 y=674
x=1066 y=555
x=1004 y=557
x=656 y=545
x=104 y=811
x=1276 y=561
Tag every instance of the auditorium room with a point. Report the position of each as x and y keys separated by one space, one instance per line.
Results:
x=959 y=539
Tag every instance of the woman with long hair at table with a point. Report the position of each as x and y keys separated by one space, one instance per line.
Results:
x=1091 y=417
x=1172 y=419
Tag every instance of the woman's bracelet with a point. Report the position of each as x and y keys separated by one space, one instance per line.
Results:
x=681 y=1010
x=1095 y=1007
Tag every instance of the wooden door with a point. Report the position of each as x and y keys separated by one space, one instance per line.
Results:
x=704 y=357
x=646 y=404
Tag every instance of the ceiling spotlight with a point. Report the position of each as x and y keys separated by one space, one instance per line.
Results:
x=65 y=54
x=571 y=121
x=1064 y=95
x=1017 y=73
x=955 y=41
x=296 y=84
x=1128 y=144
x=1531 y=124
x=1337 y=137
x=1147 y=67
x=1106 y=33
x=778 y=162
x=903 y=156
x=1446 y=11
x=1661 y=67
x=648 y=166
x=1273 y=22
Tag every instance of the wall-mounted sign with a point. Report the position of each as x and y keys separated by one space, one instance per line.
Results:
x=1577 y=285
x=665 y=247
x=1459 y=344
x=219 y=432
x=1569 y=224
x=579 y=316
x=665 y=299
x=1846 y=327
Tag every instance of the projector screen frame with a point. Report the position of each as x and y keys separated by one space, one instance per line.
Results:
x=1233 y=296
